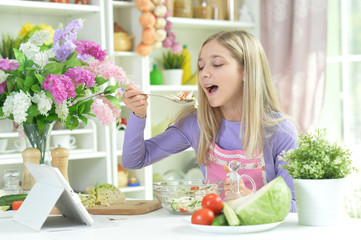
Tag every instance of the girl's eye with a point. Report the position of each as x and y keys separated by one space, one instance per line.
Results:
x=200 y=68
x=218 y=65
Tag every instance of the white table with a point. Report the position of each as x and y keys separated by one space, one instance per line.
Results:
x=161 y=224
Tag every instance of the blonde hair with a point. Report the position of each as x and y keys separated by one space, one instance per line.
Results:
x=260 y=105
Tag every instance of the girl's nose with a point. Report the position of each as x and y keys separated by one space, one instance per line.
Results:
x=205 y=73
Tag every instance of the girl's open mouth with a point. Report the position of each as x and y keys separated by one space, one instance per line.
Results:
x=211 y=88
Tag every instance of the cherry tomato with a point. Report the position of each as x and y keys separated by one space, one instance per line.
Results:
x=204 y=216
x=183 y=210
x=16 y=205
x=213 y=202
x=194 y=188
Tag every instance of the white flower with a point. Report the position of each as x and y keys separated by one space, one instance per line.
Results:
x=40 y=37
x=3 y=76
x=17 y=103
x=40 y=59
x=62 y=111
x=44 y=103
x=29 y=49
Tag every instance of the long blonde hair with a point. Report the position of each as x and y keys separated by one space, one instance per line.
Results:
x=259 y=105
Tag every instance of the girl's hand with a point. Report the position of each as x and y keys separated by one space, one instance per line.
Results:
x=227 y=184
x=135 y=101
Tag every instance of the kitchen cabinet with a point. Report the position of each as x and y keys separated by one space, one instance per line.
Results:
x=189 y=31
x=89 y=161
x=98 y=152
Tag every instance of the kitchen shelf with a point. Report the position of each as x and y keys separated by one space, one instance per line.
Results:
x=206 y=24
x=132 y=189
x=81 y=154
x=126 y=54
x=46 y=8
x=119 y=4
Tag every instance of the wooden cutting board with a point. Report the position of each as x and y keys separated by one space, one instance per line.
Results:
x=130 y=207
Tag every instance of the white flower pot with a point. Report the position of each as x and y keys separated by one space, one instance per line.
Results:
x=172 y=76
x=320 y=202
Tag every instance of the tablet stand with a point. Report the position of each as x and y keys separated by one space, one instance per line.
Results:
x=51 y=189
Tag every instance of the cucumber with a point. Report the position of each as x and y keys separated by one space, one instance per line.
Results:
x=231 y=216
x=220 y=220
x=7 y=200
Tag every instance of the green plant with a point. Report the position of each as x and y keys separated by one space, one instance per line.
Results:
x=171 y=60
x=317 y=158
x=7 y=45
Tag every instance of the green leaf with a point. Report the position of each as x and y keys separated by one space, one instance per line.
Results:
x=84 y=119
x=100 y=80
x=29 y=82
x=33 y=111
x=40 y=78
x=72 y=122
x=41 y=125
x=81 y=108
x=110 y=89
x=114 y=101
x=54 y=68
x=20 y=58
x=73 y=55
x=73 y=62
x=20 y=84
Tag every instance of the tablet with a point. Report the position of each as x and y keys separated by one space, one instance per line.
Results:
x=51 y=189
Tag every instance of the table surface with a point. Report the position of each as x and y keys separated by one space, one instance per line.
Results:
x=161 y=224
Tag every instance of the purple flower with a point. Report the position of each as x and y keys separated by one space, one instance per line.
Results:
x=7 y=65
x=87 y=48
x=63 y=39
x=60 y=87
x=80 y=76
x=167 y=43
x=3 y=87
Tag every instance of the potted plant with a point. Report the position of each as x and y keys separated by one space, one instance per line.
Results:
x=172 y=65
x=7 y=44
x=318 y=168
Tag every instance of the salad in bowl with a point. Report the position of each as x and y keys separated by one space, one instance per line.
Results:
x=185 y=196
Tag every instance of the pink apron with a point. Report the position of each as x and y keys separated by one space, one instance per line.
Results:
x=255 y=168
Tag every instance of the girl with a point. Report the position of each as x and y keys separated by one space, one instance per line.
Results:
x=238 y=117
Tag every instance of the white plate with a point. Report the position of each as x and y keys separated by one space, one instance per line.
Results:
x=7 y=214
x=232 y=229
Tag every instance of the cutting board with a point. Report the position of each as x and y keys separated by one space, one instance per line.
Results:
x=130 y=207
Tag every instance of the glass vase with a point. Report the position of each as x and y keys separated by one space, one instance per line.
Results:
x=39 y=138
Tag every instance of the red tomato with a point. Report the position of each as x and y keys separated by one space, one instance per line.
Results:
x=183 y=210
x=194 y=188
x=213 y=202
x=204 y=216
x=16 y=205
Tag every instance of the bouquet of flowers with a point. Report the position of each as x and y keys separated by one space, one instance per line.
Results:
x=67 y=82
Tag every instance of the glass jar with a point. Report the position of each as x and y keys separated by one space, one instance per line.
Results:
x=203 y=9
x=11 y=179
x=183 y=8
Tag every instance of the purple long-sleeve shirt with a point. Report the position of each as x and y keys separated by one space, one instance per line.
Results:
x=139 y=153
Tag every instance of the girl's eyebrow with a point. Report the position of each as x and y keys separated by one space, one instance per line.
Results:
x=213 y=56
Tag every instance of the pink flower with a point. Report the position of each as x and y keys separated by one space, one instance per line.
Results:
x=80 y=76
x=3 y=87
x=107 y=69
x=177 y=48
x=103 y=111
x=87 y=49
x=167 y=43
x=60 y=87
x=7 y=65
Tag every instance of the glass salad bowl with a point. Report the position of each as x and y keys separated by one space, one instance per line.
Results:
x=185 y=196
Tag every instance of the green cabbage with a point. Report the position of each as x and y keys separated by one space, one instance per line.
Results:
x=103 y=195
x=270 y=204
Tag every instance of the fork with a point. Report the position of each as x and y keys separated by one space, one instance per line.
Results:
x=169 y=98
